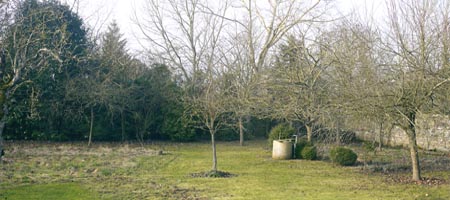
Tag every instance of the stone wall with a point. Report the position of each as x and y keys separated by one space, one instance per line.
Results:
x=433 y=133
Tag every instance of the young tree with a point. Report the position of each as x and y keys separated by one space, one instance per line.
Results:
x=188 y=38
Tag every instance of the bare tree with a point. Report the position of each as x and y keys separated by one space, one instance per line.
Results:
x=265 y=24
x=358 y=72
x=242 y=80
x=256 y=32
x=418 y=41
x=396 y=72
x=300 y=88
x=188 y=38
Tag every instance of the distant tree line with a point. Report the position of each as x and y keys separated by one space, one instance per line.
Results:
x=71 y=87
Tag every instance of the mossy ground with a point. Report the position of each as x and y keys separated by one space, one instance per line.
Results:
x=126 y=171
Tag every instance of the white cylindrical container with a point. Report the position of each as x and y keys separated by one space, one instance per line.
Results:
x=282 y=149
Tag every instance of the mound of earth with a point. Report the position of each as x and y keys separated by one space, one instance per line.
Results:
x=212 y=174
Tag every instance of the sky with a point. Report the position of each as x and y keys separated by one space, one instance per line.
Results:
x=99 y=13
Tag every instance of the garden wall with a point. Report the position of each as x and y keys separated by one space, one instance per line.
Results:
x=433 y=133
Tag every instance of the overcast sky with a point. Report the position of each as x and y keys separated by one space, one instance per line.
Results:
x=99 y=13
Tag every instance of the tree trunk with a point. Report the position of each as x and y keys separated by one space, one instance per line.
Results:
x=380 y=138
x=308 y=132
x=91 y=126
x=414 y=158
x=338 y=137
x=2 y=127
x=413 y=149
x=241 y=132
x=3 y=117
x=213 y=144
x=122 y=125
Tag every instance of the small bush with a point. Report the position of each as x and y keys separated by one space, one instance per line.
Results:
x=279 y=132
x=301 y=144
x=369 y=146
x=309 y=153
x=343 y=156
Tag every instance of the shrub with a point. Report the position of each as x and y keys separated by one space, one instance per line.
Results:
x=309 y=153
x=343 y=156
x=280 y=131
x=334 y=135
x=301 y=144
x=187 y=135
x=347 y=137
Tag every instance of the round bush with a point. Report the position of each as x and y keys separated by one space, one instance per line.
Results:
x=343 y=156
x=301 y=144
x=309 y=153
x=279 y=132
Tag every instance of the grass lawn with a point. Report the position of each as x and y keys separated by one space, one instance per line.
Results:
x=120 y=171
x=73 y=191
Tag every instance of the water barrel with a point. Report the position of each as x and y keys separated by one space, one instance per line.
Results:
x=282 y=149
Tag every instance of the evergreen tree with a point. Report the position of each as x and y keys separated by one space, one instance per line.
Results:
x=157 y=110
x=44 y=44
x=116 y=61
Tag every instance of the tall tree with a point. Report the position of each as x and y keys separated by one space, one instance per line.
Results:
x=258 y=30
x=42 y=43
x=357 y=73
x=156 y=107
x=4 y=21
x=418 y=41
x=400 y=71
x=242 y=80
x=104 y=85
x=115 y=59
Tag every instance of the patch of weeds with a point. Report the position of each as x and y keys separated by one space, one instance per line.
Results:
x=106 y=172
x=9 y=175
x=425 y=181
x=436 y=163
x=26 y=179
x=26 y=169
x=389 y=168
x=213 y=174
x=61 y=166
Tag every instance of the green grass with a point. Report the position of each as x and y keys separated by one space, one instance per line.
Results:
x=114 y=171
x=74 y=191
